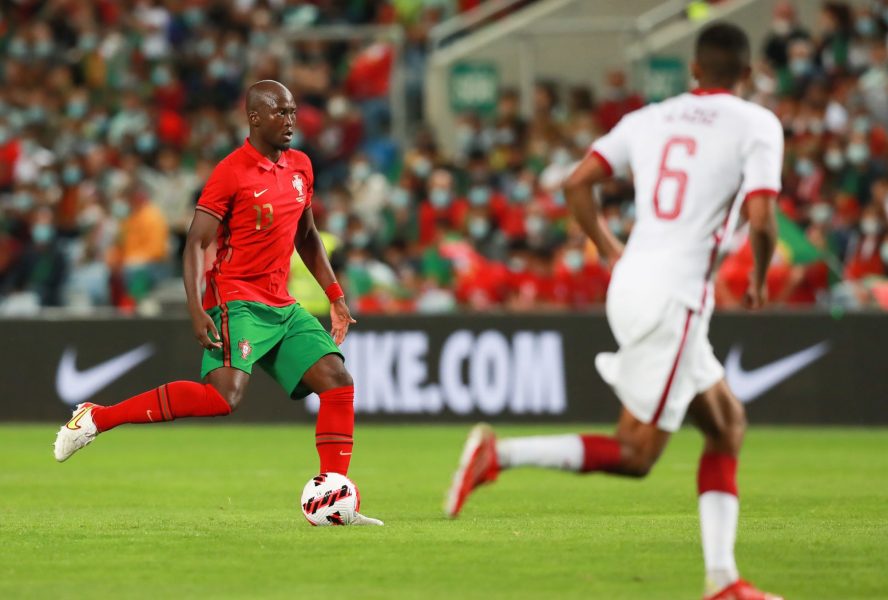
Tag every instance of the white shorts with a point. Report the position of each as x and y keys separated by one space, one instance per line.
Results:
x=664 y=358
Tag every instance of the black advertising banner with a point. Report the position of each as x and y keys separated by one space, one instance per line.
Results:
x=788 y=367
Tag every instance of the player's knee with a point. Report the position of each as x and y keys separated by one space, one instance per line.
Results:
x=728 y=437
x=637 y=462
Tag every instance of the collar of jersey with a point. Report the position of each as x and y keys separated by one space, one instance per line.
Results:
x=264 y=163
x=711 y=91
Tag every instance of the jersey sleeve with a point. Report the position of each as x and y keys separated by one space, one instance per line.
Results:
x=218 y=192
x=763 y=156
x=613 y=147
x=309 y=193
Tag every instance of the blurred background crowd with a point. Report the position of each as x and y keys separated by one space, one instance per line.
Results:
x=113 y=114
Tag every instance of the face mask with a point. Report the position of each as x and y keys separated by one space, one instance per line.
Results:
x=534 y=225
x=479 y=196
x=216 y=69
x=42 y=233
x=336 y=223
x=89 y=42
x=517 y=264
x=478 y=227
x=439 y=198
x=834 y=159
x=47 y=179
x=558 y=198
x=857 y=154
x=861 y=124
x=360 y=239
x=146 y=143
x=883 y=252
x=804 y=167
x=43 y=48
x=337 y=107
x=71 y=175
x=4 y=135
x=821 y=213
x=583 y=139
x=120 y=209
x=781 y=26
x=35 y=114
x=799 y=67
x=561 y=157
x=22 y=201
x=161 y=77
x=76 y=109
x=520 y=192
x=865 y=26
x=465 y=136
x=400 y=198
x=360 y=171
x=615 y=224
x=422 y=167
x=574 y=260
x=870 y=226
x=295 y=141
x=505 y=136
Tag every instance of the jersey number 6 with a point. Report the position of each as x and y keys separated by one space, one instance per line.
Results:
x=680 y=177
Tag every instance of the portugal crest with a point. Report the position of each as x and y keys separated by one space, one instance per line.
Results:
x=245 y=348
x=299 y=184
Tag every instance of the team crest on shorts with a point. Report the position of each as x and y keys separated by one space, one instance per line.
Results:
x=245 y=348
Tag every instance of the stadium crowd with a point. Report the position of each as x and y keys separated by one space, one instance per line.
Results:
x=113 y=114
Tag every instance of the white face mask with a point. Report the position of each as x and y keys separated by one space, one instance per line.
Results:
x=883 y=252
x=870 y=226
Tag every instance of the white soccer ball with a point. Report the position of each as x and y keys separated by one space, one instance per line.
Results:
x=330 y=499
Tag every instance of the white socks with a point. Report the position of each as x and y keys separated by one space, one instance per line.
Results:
x=718 y=524
x=548 y=451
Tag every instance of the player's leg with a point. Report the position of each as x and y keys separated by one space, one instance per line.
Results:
x=335 y=425
x=722 y=420
x=632 y=451
x=308 y=360
x=225 y=374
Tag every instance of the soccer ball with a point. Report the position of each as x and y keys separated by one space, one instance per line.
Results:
x=330 y=499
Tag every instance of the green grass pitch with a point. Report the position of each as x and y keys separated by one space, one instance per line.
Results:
x=184 y=511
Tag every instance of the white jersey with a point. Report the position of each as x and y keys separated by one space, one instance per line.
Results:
x=694 y=159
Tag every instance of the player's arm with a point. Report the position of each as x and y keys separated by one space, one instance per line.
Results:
x=584 y=206
x=200 y=236
x=759 y=211
x=312 y=252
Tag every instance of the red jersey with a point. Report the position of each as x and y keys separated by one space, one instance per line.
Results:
x=259 y=204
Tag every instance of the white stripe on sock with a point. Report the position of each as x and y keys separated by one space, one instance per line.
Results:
x=549 y=451
x=718 y=525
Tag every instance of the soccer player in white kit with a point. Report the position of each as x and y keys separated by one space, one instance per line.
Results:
x=700 y=162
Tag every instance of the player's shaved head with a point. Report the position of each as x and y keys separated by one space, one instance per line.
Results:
x=271 y=112
x=722 y=55
x=265 y=93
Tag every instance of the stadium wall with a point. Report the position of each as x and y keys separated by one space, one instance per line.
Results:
x=791 y=368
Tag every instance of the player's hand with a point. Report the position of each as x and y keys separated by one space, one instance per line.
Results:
x=205 y=330
x=362 y=520
x=341 y=318
x=756 y=297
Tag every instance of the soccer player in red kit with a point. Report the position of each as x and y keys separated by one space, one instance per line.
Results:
x=699 y=161
x=257 y=207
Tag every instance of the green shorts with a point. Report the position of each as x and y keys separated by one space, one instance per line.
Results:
x=286 y=341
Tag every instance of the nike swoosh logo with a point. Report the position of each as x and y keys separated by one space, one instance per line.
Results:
x=257 y=194
x=749 y=385
x=74 y=386
x=341 y=453
x=75 y=420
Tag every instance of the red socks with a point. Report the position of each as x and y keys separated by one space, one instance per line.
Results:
x=600 y=453
x=717 y=473
x=170 y=401
x=334 y=429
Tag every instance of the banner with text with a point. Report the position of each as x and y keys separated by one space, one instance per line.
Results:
x=788 y=368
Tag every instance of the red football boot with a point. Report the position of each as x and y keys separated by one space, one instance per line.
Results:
x=477 y=466
x=742 y=590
